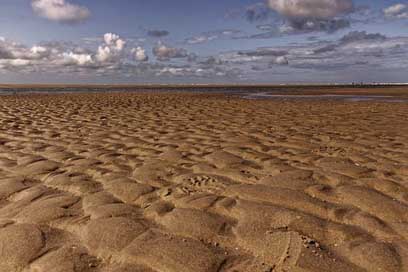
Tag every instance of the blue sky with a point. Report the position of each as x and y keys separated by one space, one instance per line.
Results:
x=192 y=41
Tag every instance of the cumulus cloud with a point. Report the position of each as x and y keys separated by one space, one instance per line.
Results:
x=304 y=16
x=163 y=52
x=15 y=62
x=60 y=11
x=318 y=9
x=355 y=50
x=114 y=40
x=140 y=54
x=397 y=11
x=59 y=55
x=104 y=53
x=35 y=53
x=110 y=58
x=12 y=50
x=112 y=48
x=281 y=60
x=77 y=59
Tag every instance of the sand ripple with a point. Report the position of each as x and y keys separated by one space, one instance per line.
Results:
x=201 y=183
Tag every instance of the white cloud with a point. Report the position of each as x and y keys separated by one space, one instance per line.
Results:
x=282 y=60
x=212 y=35
x=140 y=54
x=109 y=38
x=201 y=39
x=397 y=11
x=16 y=62
x=114 y=41
x=356 y=49
x=104 y=53
x=306 y=16
x=38 y=52
x=313 y=9
x=38 y=49
x=59 y=55
x=163 y=52
x=77 y=59
x=112 y=48
x=60 y=11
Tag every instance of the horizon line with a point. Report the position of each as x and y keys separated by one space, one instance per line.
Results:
x=171 y=85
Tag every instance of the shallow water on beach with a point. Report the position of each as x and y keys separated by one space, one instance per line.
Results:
x=349 y=98
x=244 y=93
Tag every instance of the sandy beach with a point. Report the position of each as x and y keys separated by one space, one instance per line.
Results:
x=178 y=182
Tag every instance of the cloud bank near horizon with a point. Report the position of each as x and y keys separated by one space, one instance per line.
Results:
x=326 y=44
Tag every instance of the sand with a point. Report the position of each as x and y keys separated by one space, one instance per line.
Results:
x=201 y=183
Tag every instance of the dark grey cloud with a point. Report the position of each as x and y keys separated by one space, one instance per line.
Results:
x=253 y=13
x=300 y=26
x=282 y=17
x=357 y=50
x=264 y=52
x=357 y=47
x=5 y=53
x=359 y=43
x=157 y=33
x=307 y=16
x=257 y=13
x=362 y=36
x=312 y=38
x=323 y=66
x=325 y=49
x=211 y=61
x=264 y=35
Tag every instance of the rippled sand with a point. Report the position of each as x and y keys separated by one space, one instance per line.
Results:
x=201 y=183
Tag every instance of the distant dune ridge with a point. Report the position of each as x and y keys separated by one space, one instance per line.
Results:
x=193 y=182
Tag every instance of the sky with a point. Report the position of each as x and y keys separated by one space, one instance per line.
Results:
x=196 y=41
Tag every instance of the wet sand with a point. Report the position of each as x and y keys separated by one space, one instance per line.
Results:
x=171 y=182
